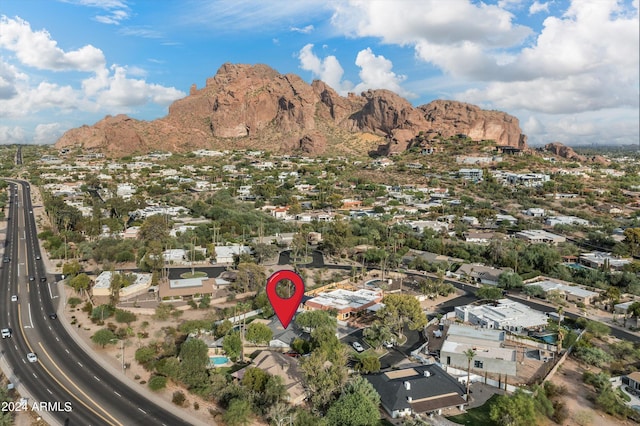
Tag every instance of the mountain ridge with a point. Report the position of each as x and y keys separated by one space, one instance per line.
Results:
x=255 y=107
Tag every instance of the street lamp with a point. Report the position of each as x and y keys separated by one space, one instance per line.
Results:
x=122 y=342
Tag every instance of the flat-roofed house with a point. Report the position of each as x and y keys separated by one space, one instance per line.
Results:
x=491 y=355
x=346 y=302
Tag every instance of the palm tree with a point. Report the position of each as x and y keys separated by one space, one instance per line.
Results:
x=470 y=354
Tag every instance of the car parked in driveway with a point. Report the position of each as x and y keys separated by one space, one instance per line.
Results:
x=357 y=346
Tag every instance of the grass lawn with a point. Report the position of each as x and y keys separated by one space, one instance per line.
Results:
x=197 y=274
x=476 y=416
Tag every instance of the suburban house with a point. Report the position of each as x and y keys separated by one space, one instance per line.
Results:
x=474 y=175
x=225 y=254
x=490 y=354
x=187 y=287
x=346 y=302
x=286 y=367
x=504 y=314
x=571 y=293
x=598 y=259
x=565 y=220
x=424 y=389
x=479 y=273
x=538 y=236
x=101 y=290
x=632 y=380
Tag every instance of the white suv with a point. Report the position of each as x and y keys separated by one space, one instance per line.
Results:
x=31 y=357
x=6 y=332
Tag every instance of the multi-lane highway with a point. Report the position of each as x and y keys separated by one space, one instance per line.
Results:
x=74 y=387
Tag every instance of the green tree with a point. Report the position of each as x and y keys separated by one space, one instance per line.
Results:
x=322 y=379
x=154 y=228
x=71 y=269
x=310 y=320
x=515 y=410
x=470 y=354
x=223 y=328
x=80 y=283
x=103 y=337
x=598 y=329
x=232 y=345
x=262 y=251
x=259 y=333
x=377 y=334
x=509 y=280
x=194 y=359
x=353 y=409
x=632 y=240
x=239 y=413
x=367 y=363
x=249 y=277
x=145 y=356
x=402 y=310
x=489 y=292
x=125 y=316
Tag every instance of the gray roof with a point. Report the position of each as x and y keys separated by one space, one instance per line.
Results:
x=394 y=394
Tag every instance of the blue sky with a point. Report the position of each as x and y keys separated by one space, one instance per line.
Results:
x=568 y=69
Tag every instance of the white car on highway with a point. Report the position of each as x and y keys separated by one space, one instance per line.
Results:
x=14 y=298
x=6 y=332
x=31 y=357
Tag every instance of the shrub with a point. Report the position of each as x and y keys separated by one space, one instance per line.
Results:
x=178 y=398
x=74 y=301
x=157 y=382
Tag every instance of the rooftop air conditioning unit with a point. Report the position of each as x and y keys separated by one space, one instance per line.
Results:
x=407 y=385
x=427 y=373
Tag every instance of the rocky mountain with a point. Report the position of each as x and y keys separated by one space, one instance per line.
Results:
x=245 y=106
x=568 y=153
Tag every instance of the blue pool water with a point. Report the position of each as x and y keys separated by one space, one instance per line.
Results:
x=218 y=360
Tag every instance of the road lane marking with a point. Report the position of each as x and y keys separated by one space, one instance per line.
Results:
x=144 y=412
x=24 y=337
x=117 y=394
x=80 y=390
x=30 y=319
x=97 y=378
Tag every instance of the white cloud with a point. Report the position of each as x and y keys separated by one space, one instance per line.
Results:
x=112 y=90
x=375 y=73
x=9 y=135
x=117 y=10
x=38 y=50
x=435 y=21
x=243 y=15
x=537 y=7
x=303 y=30
x=328 y=69
x=47 y=133
x=9 y=80
x=118 y=90
x=140 y=32
x=608 y=127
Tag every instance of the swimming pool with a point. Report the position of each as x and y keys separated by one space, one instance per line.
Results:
x=218 y=360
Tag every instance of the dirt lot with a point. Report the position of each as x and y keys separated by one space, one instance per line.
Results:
x=135 y=374
x=581 y=411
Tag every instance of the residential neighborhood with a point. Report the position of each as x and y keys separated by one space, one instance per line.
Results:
x=440 y=292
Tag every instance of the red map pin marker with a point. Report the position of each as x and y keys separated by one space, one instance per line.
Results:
x=285 y=309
